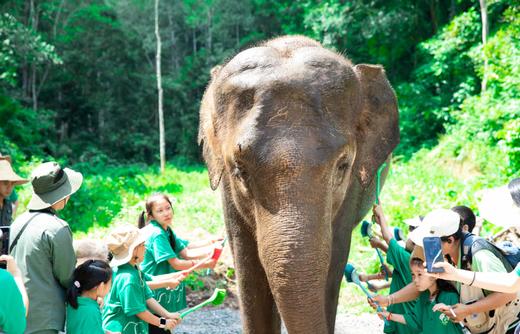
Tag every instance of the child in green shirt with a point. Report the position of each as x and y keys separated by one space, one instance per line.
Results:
x=423 y=319
x=90 y=281
x=166 y=253
x=129 y=306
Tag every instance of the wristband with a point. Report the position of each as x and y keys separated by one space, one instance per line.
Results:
x=473 y=280
x=388 y=316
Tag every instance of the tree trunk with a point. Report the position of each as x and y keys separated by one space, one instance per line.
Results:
x=485 y=32
x=159 y=88
x=34 y=26
x=210 y=17
x=194 y=40
x=433 y=15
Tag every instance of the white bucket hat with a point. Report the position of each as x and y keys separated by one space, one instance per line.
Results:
x=438 y=223
x=501 y=206
x=122 y=241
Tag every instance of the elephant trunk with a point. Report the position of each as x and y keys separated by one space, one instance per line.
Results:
x=295 y=251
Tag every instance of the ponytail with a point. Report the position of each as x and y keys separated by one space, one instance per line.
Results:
x=87 y=276
x=141 y=221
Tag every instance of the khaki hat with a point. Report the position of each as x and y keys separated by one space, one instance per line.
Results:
x=122 y=241
x=7 y=174
x=51 y=184
x=438 y=223
x=418 y=252
x=501 y=206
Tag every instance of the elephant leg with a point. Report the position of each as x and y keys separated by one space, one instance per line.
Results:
x=258 y=309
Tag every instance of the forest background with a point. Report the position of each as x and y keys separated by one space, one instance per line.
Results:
x=78 y=85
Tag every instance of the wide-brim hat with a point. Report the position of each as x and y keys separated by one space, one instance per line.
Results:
x=7 y=174
x=122 y=241
x=497 y=206
x=438 y=223
x=51 y=184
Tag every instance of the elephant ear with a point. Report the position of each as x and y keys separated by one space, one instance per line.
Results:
x=208 y=134
x=378 y=125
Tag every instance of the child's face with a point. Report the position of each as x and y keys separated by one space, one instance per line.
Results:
x=162 y=212
x=139 y=253
x=421 y=281
x=103 y=289
x=6 y=188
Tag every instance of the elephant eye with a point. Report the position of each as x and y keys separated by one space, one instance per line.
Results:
x=238 y=171
x=342 y=169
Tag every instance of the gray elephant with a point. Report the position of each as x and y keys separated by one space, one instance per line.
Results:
x=294 y=135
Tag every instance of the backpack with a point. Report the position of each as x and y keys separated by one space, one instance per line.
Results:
x=508 y=253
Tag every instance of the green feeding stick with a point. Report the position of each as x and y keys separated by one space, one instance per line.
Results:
x=378 y=181
x=216 y=298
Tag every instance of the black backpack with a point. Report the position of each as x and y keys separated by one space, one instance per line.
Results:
x=508 y=253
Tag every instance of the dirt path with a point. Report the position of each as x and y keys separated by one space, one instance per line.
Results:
x=227 y=321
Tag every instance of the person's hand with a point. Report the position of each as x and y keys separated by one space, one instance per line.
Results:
x=172 y=284
x=456 y=312
x=382 y=315
x=378 y=300
x=377 y=211
x=449 y=274
x=217 y=240
x=12 y=268
x=382 y=273
x=376 y=243
x=174 y=319
x=210 y=263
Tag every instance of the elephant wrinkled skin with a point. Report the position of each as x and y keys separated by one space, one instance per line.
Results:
x=293 y=134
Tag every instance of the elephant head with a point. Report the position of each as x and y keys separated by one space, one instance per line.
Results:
x=294 y=134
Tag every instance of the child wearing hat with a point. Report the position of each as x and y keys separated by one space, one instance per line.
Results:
x=8 y=180
x=41 y=244
x=130 y=306
x=424 y=318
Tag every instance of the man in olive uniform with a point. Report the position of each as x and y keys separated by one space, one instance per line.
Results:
x=41 y=244
x=8 y=180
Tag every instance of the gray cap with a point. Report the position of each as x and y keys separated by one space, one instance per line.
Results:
x=51 y=184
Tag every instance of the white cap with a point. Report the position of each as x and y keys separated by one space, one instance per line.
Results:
x=438 y=223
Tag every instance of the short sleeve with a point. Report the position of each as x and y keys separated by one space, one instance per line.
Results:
x=399 y=258
x=485 y=260
x=162 y=250
x=132 y=297
x=414 y=319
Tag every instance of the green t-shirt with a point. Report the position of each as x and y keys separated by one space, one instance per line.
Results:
x=158 y=251
x=399 y=258
x=13 y=197
x=86 y=319
x=517 y=269
x=126 y=298
x=423 y=320
x=12 y=310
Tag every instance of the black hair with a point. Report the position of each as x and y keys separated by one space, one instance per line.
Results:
x=514 y=190
x=142 y=221
x=86 y=277
x=467 y=217
x=442 y=285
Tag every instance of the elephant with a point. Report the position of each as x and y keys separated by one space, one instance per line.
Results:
x=293 y=134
